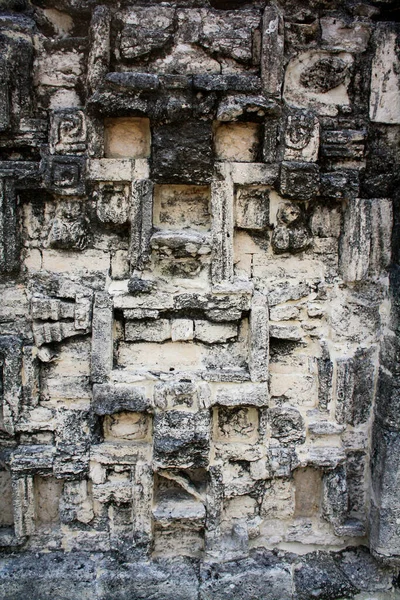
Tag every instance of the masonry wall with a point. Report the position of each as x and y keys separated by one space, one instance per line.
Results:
x=199 y=381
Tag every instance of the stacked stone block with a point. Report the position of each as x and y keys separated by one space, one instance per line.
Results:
x=198 y=216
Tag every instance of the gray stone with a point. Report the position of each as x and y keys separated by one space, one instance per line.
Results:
x=182 y=439
x=182 y=154
x=317 y=576
x=287 y=425
x=109 y=399
x=299 y=181
x=260 y=576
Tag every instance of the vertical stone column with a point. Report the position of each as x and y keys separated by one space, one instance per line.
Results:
x=102 y=338
x=222 y=194
x=141 y=222
x=385 y=463
x=99 y=56
x=9 y=233
x=259 y=338
x=272 y=52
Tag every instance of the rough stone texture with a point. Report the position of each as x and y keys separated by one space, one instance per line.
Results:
x=199 y=316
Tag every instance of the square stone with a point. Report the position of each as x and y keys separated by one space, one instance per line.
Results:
x=127 y=137
x=126 y=426
x=181 y=207
x=113 y=203
x=299 y=180
x=66 y=175
x=182 y=330
x=252 y=207
x=67 y=131
x=237 y=142
x=236 y=424
x=182 y=152
x=182 y=439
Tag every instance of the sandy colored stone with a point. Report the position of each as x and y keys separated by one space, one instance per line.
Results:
x=127 y=137
x=237 y=141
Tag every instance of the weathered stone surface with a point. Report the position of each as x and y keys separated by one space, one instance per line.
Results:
x=199 y=299
x=384 y=104
x=182 y=154
x=259 y=576
x=319 y=577
x=299 y=181
x=182 y=439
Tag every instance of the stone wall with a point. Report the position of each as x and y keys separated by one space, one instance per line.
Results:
x=199 y=315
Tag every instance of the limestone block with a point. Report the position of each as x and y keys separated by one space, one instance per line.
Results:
x=175 y=395
x=109 y=399
x=296 y=388
x=11 y=372
x=238 y=424
x=99 y=55
x=259 y=338
x=47 y=492
x=355 y=384
x=384 y=103
x=212 y=333
x=70 y=227
x=283 y=313
x=7 y=513
x=345 y=144
x=51 y=309
x=301 y=137
x=127 y=137
x=248 y=577
x=141 y=219
x=318 y=80
x=337 y=34
x=126 y=426
x=149 y=331
x=166 y=357
x=222 y=198
x=182 y=439
x=59 y=69
x=286 y=332
x=237 y=142
x=299 y=180
x=252 y=208
x=67 y=132
x=340 y=184
x=235 y=106
x=233 y=394
x=110 y=169
x=181 y=207
x=335 y=500
x=287 y=425
x=113 y=203
x=9 y=233
x=182 y=153
x=272 y=51
x=319 y=568
x=65 y=175
x=253 y=173
x=326 y=221
x=365 y=247
x=278 y=500
x=182 y=330
x=308 y=486
x=145 y=30
x=102 y=351
x=76 y=502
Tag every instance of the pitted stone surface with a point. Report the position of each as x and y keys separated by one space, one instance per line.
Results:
x=199 y=315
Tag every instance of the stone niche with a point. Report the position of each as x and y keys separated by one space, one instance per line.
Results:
x=199 y=340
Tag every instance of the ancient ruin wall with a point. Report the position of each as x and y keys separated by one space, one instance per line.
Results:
x=199 y=299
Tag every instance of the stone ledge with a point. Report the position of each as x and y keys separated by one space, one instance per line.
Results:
x=264 y=575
